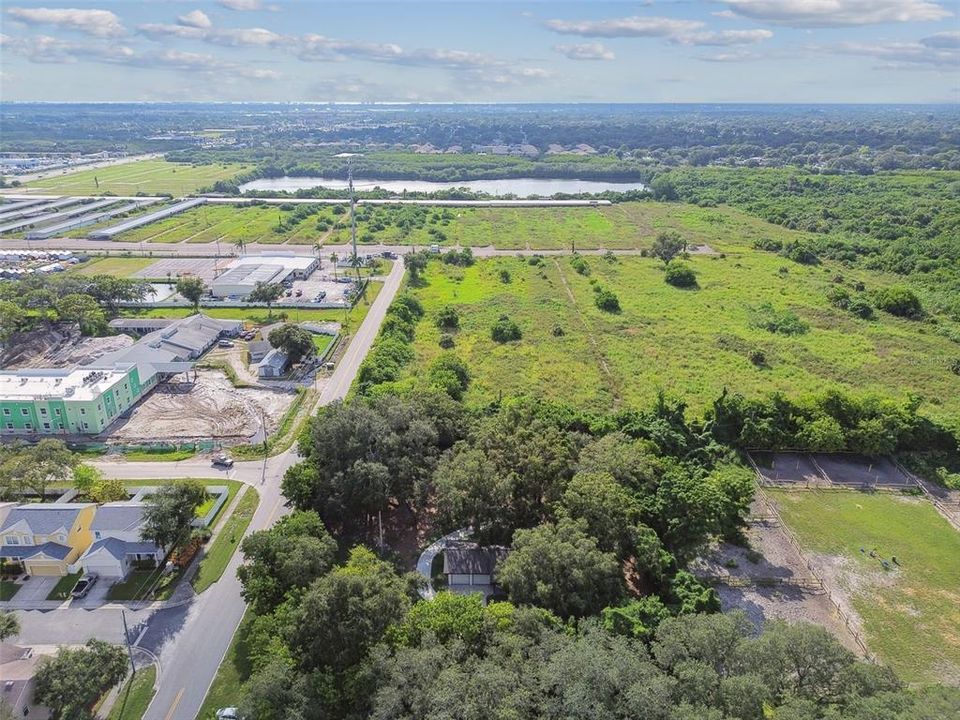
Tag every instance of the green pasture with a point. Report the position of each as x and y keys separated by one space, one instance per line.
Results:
x=151 y=177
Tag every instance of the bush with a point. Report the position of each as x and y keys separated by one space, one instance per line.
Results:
x=448 y=318
x=800 y=253
x=504 y=275
x=955 y=366
x=450 y=374
x=900 y=301
x=680 y=275
x=446 y=341
x=505 y=330
x=580 y=265
x=559 y=332
x=535 y=261
x=861 y=308
x=757 y=357
x=782 y=322
x=606 y=300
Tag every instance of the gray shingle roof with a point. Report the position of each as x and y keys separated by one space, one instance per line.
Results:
x=117 y=517
x=44 y=518
x=472 y=560
x=25 y=552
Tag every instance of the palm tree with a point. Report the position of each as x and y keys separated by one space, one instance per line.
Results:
x=9 y=625
x=333 y=259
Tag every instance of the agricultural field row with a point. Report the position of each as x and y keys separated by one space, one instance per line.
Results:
x=150 y=177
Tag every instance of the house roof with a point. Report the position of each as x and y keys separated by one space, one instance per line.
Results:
x=275 y=359
x=472 y=560
x=25 y=552
x=117 y=517
x=259 y=347
x=44 y=518
x=119 y=549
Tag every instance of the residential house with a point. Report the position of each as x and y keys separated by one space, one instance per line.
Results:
x=471 y=568
x=47 y=538
x=258 y=350
x=272 y=365
x=117 y=546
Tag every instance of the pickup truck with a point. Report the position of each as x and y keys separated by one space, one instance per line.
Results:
x=223 y=461
x=83 y=586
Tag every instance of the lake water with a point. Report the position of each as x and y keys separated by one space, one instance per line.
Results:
x=521 y=187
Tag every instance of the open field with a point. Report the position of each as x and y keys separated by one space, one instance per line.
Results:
x=910 y=612
x=118 y=267
x=691 y=343
x=151 y=177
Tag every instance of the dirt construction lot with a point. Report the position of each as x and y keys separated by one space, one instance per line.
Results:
x=209 y=408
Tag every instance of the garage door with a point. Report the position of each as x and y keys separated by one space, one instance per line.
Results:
x=39 y=567
x=103 y=569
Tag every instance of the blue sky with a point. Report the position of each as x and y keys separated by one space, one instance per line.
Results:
x=659 y=51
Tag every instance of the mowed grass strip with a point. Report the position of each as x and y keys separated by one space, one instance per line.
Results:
x=910 y=613
x=218 y=553
x=135 y=696
x=118 y=267
x=153 y=177
x=690 y=343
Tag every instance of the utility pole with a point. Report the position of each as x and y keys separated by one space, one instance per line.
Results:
x=353 y=210
x=126 y=636
x=263 y=427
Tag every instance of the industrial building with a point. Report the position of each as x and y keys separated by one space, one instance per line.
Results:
x=89 y=218
x=86 y=400
x=244 y=273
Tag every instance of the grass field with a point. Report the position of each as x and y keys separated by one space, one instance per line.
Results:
x=8 y=589
x=218 y=553
x=64 y=586
x=911 y=613
x=152 y=177
x=134 y=696
x=691 y=343
x=118 y=267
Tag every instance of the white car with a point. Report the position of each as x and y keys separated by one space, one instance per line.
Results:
x=230 y=713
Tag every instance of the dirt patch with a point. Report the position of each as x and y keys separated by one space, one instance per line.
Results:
x=56 y=347
x=209 y=408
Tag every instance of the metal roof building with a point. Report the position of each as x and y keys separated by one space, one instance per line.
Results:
x=108 y=233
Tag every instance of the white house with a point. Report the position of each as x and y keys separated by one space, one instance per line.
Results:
x=117 y=546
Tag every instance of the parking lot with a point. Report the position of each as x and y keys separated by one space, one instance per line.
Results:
x=204 y=268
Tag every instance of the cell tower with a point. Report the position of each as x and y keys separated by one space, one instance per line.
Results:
x=353 y=211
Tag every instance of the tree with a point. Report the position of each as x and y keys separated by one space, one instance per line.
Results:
x=292 y=554
x=192 y=288
x=415 y=263
x=74 y=679
x=448 y=318
x=295 y=342
x=608 y=508
x=12 y=319
x=36 y=466
x=667 y=245
x=606 y=300
x=9 y=625
x=347 y=611
x=450 y=374
x=85 y=477
x=267 y=293
x=559 y=567
x=107 y=490
x=169 y=514
x=900 y=301
x=83 y=310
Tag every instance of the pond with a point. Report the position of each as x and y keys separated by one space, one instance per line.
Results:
x=521 y=187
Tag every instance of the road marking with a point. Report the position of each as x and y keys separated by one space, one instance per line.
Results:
x=173 y=708
x=273 y=511
x=140 y=636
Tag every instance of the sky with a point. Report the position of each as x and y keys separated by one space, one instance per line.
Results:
x=803 y=51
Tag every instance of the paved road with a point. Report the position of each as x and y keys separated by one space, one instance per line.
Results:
x=191 y=640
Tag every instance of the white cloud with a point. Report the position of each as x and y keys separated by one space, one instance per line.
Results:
x=160 y=29
x=838 y=13
x=625 y=27
x=196 y=18
x=99 y=23
x=585 y=51
x=949 y=39
x=241 y=5
x=895 y=54
x=733 y=56
x=227 y=37
x=723 y=37
x=725 y=14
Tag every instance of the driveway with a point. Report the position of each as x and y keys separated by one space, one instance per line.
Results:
x=97 y=595
x=36 y=588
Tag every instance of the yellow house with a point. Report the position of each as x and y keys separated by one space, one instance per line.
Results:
x=46 y=538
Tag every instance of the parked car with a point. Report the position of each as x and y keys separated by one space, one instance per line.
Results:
x=389 y=255
x=83 y=585
x=321 y=295
x=229 y=713
x=223 y=461
x=435 y=249
x=225 y=343
x=299 y=292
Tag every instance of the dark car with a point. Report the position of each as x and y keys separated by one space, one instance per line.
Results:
x=83 y=586
x=223 y=461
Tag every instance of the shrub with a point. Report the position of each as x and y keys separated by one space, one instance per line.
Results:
x=861 y=308
x=580 y=265
x=450 y=374
x=955 y=366
x=839 y=297
x=898 y=300
x=535 y=260
x=559 y=332
x=680 y=275
x=800 y=253
x=782 y=322
x=446 y=341
x=757 y=357
x=448 y=318
x=505 y=330
x=768 y=244
x=606 y=300
x=504 y=275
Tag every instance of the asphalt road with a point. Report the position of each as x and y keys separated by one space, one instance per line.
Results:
x=191 y=640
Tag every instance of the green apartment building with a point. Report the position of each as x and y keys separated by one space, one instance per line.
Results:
x=80 y=401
